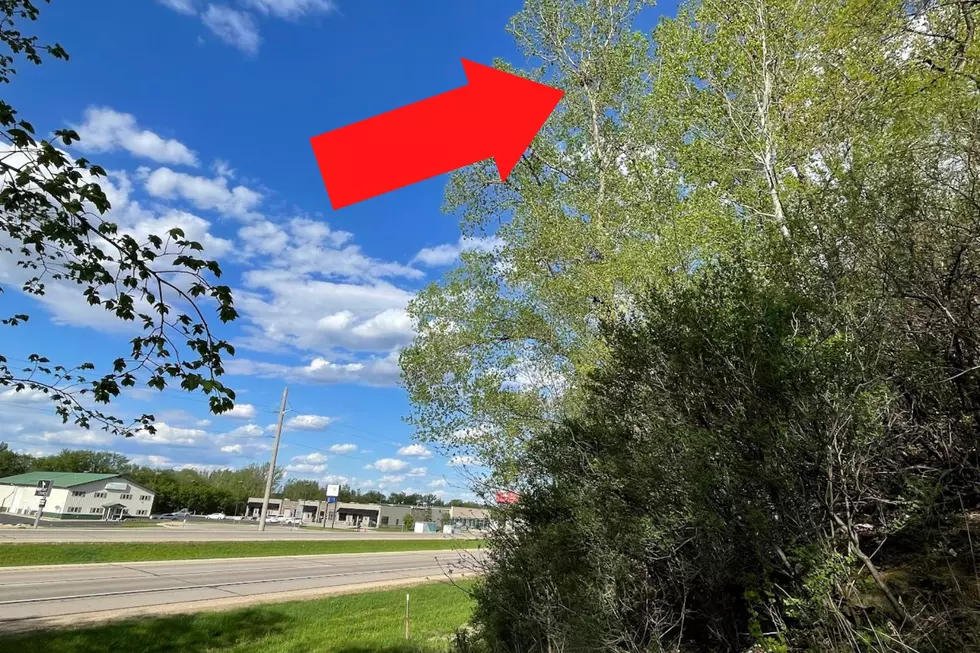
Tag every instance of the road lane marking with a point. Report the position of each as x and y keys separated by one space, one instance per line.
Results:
x=213 y=585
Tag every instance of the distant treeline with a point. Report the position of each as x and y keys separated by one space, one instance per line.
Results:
x=225 y=490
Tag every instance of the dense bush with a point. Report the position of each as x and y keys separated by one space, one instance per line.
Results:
x=740 y=459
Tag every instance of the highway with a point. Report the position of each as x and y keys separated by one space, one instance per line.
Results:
x=66 y=590
x=200 y=532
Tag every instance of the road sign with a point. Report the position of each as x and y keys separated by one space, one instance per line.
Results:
x=331 y=499
x=333 y=491
x=43 y=502
x=43 y=489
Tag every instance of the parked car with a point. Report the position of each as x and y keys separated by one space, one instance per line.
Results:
x=166 y=516
x=216 y=515
x=272 y=519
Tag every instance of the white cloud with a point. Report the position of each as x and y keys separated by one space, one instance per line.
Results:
x=315 y=248
x=185 y=7
x=74 y=437
x=292 y=9
x=232 y=448
x=439 y=482
x=203 y=192
x=388 y=465
x=373 y=371
x=459 y=461
x=166 y=434
x=305 y=468
x=415 y=450
x=263 y=238
x=106 y=129
x=250 y=430
x=313 y=458
x=223 y=169
x=447 y=253
x=203 y=422
x=319 y=316
x=241 y=411
x=27 y=395
x=236 y=28
x=308 y=422
x=390 y=479
x=417 y=471
x=152 y=460
x=343 y=448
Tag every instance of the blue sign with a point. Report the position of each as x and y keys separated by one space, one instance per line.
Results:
x=331 y=499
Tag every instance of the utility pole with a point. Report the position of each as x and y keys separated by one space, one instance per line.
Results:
x=272 y=464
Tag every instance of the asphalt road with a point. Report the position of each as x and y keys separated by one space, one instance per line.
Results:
x=38 y=592
x=201 y=533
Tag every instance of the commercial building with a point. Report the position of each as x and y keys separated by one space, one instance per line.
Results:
x=371 y=515
x=106 y=497
x=473 y=519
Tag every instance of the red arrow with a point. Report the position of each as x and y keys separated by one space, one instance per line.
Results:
x=495 y=115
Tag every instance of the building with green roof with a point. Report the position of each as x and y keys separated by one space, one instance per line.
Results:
x=71 y=495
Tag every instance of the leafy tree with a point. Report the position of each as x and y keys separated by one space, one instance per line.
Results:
x=301 y=490
x=12 y=463
x=371 y=496
x=409 y=522
x=248 y=481
x=82 y=460
x=56 y=227
x=505 y=336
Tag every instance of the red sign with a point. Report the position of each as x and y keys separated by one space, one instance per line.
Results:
x=496 y=114
x=507 y=496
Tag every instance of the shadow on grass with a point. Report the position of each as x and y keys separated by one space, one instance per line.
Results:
x=185 y=633
x=390 y=648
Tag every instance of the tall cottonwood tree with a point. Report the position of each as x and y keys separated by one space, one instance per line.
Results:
x=505 y=336
x=56 y=228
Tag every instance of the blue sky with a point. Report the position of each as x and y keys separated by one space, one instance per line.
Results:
x=202 y=112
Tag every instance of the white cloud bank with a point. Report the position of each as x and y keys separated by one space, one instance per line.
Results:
x=415 y=450
x=106 y=129
x=446 y=254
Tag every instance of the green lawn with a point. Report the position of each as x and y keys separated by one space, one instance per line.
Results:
x=372 y=622
x=14 y=555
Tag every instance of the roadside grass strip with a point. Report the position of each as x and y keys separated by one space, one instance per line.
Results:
x=369 y=622
x=17 y=555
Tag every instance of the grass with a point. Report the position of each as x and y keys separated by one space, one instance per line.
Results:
x=15 y=555
x=372 y=622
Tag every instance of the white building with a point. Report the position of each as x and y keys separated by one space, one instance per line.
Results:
x=76 y=496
